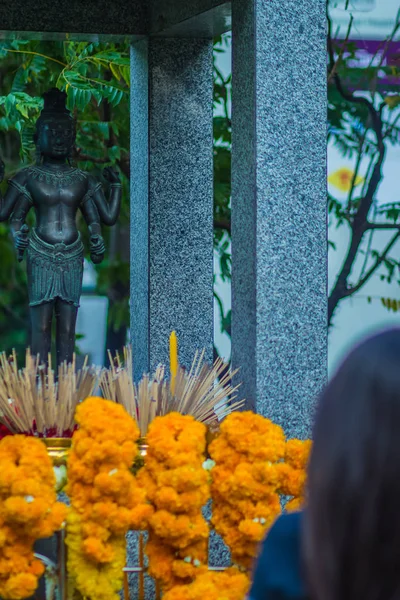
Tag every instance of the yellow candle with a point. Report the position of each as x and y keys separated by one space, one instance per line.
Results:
x=173 y=359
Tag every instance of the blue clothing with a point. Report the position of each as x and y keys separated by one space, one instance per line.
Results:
x=278 y=572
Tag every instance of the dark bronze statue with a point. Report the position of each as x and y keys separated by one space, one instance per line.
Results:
x=54 y=249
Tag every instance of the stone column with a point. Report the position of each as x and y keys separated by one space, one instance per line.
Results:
x=279 y=237
x=171 y=199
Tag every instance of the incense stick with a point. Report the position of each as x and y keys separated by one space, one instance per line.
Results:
x=33 y=401
x=205 y=392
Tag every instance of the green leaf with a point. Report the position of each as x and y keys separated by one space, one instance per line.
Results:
x=23 y=109
x=115 y=71
x=114 y=153
x=126 y=74
x=9 y=103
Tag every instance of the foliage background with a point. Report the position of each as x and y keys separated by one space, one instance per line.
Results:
x=96 y=80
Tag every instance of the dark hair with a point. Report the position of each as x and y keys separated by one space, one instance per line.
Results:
x=352 y=522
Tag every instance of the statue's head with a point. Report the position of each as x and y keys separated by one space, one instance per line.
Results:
x=55 y=128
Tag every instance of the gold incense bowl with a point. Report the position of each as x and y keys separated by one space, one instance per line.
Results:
x=58 y=450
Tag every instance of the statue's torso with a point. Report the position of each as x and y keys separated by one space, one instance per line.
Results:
x=56 y=198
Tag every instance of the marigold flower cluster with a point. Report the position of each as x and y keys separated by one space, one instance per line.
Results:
x=245 y=482
x=226 y=585
x=178 y=487
x=28 y=511
x=293 y=472
x=105 y=499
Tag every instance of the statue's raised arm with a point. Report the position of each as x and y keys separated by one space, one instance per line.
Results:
x=108 y=211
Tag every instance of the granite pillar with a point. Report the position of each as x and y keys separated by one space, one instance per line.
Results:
x=279 y=239
x=171 y=199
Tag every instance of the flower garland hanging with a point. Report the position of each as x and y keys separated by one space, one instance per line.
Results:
x=178 y=487
x=293 y=472
x=28 y=511
x=227 y=585
x=105 y=499
x=245 y=482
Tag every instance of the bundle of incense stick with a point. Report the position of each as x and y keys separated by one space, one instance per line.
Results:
x=205 y=392
x=33 y=401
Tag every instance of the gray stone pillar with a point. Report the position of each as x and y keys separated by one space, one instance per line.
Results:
x=279 y=240
x=171 y=199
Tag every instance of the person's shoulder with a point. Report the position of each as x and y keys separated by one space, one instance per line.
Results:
x=284 y=535
x=278 y=570
x=286 y=526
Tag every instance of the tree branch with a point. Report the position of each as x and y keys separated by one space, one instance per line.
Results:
x=360 y=220
x=36 y=54
x=335 y=64
x=348 y=96
x=391 y=127
x=382 y=226
x=377 y=263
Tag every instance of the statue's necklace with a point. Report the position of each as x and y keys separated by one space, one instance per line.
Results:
x=58 y=179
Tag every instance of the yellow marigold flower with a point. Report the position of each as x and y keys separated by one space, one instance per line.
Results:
x=184 y=570
x=161 y=558
x=228 y=585
x=183 y=479
x=140 y=516
x=177 y=486
x=105 y=497
x=292 y=481
x=246 y=480
x=297 y=453
x=20 y=586
x=181 y=592
x=96 y=550
x=36 y=568
x=28 y=511
x=95 y=530
x=220 y=450
x=196 y=551
x=254 y=531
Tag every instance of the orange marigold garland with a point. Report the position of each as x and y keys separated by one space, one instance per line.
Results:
x=105 y=499
x=28 y=511
x=245 y=482
x=177 y=485
x=293 y=472
x=210 y=585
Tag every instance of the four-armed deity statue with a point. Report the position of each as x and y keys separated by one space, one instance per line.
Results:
x=54 y=249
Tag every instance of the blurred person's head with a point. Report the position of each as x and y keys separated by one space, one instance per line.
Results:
x=352 y=523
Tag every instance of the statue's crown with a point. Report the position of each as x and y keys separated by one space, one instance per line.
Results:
x=55 y=102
